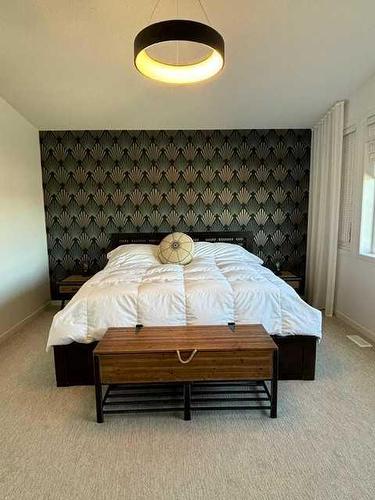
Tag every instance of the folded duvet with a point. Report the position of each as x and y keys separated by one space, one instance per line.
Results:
x=224 y=283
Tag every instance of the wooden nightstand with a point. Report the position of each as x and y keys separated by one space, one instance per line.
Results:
x=69 y=286
x=293 y=280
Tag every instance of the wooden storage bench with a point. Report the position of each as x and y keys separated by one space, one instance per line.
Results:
x=185 y=360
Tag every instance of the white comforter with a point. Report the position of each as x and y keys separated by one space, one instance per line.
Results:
x=224 y=283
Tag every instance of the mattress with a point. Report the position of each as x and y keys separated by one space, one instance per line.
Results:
x=223 y=283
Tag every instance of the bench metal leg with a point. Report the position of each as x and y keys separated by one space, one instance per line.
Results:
x=98 y=392
x=275 y=375
x=187 y=401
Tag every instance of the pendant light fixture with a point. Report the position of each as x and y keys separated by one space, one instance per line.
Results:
x=179 y=30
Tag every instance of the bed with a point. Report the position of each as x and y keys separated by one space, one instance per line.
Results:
x=225 y=283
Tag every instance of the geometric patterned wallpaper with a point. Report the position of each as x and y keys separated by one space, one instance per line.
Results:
x=100 y=182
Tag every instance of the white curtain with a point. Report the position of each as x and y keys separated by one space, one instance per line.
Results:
x=324 y=206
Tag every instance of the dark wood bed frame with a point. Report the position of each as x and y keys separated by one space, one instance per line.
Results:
x=297 y=354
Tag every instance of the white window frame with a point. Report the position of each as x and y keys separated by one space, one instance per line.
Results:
x=346 y=220
x=367 y=232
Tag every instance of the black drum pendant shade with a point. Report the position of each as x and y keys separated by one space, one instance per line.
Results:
x=179 y=30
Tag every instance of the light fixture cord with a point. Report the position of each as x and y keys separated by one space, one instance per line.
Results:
x=177 y=13
x=200 y=4
x=178 y=44
x=154 y=10
x=204 y=11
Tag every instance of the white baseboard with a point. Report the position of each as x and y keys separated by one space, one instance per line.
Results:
x=13 y=329
x=357 y=326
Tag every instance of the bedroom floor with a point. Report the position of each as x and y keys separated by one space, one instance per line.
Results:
x=322 y=446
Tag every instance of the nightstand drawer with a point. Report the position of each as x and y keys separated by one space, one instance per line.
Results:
x=292 y=279
x=69 y=288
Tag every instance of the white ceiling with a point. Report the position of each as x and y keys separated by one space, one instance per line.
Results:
x=68 y=64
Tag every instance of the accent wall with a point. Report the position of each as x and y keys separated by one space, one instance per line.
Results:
x=100 y=182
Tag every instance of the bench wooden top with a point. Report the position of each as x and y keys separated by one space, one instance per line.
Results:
x=172 y=338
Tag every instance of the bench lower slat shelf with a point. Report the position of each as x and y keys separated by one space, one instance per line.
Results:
x=176 y=403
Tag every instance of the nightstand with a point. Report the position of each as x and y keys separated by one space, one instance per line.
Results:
x=293 y=280
x=69 y=286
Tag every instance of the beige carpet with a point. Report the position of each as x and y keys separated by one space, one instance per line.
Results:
x=322 y=446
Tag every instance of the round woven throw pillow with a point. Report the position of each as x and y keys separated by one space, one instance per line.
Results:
x=176 y=248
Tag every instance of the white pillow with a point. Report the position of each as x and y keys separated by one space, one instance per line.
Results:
x=201 y=249
x=133 y=251
x=227 y=251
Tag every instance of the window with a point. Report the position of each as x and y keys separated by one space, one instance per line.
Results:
x=367 y=242
x=346 y=197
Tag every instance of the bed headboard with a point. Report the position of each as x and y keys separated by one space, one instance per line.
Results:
x=242 y=238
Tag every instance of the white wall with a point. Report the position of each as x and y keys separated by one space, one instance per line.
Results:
x=355 y=287
x=23 y=248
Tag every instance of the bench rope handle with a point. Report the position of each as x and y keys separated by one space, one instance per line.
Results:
x=186 y=361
